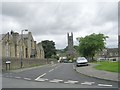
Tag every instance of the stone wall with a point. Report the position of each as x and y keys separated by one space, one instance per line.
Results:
x=16 y=64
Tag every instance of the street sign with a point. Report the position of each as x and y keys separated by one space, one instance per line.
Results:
x=8 y=62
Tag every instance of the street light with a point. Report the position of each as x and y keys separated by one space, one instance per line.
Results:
x=8 y=53
x=8 y=46
x=22 y=46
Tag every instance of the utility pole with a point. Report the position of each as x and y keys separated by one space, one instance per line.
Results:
x=8 y=52
x=21 y=61
x=8 y=46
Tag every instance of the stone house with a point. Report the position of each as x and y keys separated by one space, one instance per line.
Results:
x=16 y=45
x=108 y=53
x=40 y=51
x=112 y=52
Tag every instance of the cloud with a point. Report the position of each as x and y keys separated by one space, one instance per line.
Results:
x=15 y=10
x=119 y=18
x=52 y=20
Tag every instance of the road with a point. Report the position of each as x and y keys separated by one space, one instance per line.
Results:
x=60 y=75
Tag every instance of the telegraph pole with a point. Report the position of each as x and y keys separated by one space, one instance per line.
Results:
x=21 y=61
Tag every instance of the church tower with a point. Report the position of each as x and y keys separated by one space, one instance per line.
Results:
x=70 y=50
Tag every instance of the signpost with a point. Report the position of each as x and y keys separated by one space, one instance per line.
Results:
x=8 y=64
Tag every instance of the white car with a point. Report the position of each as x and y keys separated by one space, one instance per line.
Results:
x=81 y=61
x=101 y=59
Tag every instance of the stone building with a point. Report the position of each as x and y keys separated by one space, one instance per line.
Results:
x=40 y=50
x=16 y=45
x=108 y=53
x=112 y=52
x=71 y=50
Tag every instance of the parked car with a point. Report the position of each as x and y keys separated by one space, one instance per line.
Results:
x=81 y=61
x=102 y=59
x=65 y=60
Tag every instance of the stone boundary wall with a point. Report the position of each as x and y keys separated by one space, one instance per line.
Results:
x=16 y=63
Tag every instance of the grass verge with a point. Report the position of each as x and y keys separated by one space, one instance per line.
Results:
x=108 y=66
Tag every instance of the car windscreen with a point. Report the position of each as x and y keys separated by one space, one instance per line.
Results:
x=80 y=59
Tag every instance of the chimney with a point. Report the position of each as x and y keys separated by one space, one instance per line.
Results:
x=29 y=33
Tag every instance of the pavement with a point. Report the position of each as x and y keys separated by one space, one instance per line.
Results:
x=29 y=68
x=92 y=72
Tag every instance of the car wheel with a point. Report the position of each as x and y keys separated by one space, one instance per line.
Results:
x=77 y=65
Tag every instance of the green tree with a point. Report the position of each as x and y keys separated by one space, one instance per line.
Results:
x=91 y=44
x=49 y=48
x=75 y=47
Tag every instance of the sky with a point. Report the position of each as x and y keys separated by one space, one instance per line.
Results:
x=53 y=20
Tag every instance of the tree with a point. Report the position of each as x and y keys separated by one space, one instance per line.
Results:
x=91 y=44
x=49 y=48
x=75 y=47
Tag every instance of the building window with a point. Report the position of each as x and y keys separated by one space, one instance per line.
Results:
x=26 y=53
x=116 y=54
x=111 y=54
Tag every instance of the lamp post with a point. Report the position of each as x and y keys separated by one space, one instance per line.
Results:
x=22 y=47
x=8 y=53
x=8 y=46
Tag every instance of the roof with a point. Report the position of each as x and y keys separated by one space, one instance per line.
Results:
x=112 y=49
x=25 y=35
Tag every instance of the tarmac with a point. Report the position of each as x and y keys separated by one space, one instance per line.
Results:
x=89 y=71
x=92 y=72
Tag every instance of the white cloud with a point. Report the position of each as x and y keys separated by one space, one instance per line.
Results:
x=52 y=20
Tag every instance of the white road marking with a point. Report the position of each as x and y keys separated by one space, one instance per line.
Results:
x=18 y=77
x=56 y=80
x=42 y=79
x=51 y=70
x=71 y=82
x=105 y=85
x=27 y=78
x=88 y=83
x=40 y=76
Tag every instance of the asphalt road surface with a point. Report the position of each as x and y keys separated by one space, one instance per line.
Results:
x=60 y=75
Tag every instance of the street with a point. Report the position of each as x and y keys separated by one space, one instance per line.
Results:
x=60 y=75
